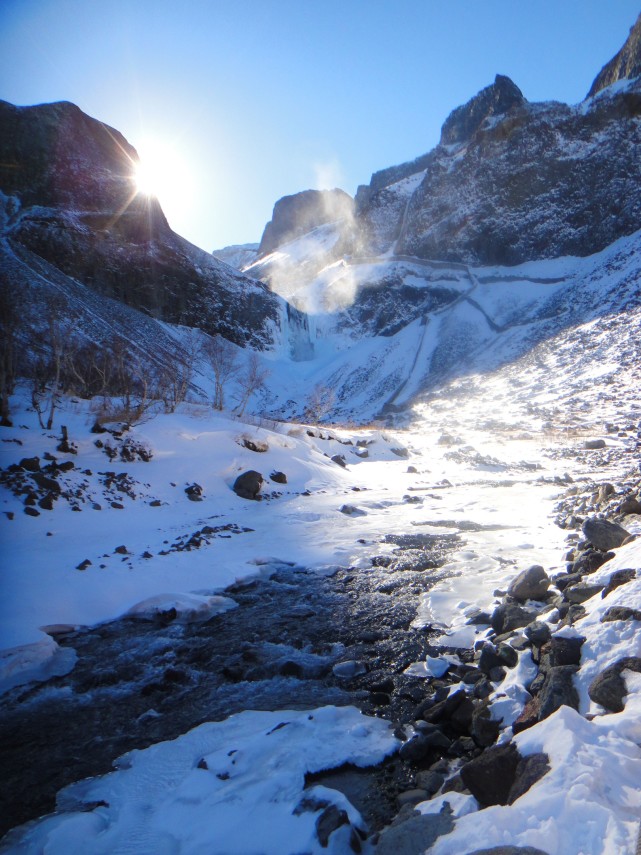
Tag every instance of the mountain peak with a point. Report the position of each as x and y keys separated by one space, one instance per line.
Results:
x=300 y=213
x=626 y=63
x=494 y=100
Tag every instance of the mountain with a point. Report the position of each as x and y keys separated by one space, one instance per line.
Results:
x=296 y=215
x=238 y=255
x=69 y=201
x=626 y=63
x=513 y=181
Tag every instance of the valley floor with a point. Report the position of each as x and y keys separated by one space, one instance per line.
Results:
x=329 y=608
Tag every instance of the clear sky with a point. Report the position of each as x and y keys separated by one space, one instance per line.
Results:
x=251 y=100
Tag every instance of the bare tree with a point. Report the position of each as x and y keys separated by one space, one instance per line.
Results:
x=175 y=380
x=223 y=360
x=251 y=380
x=9 y=319
x=319 y=403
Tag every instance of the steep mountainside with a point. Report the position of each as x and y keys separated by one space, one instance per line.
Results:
x=627 y=63
x=68 y=197
x=295 y=215
x=512 y=181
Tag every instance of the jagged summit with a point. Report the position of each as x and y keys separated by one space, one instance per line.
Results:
x=494 y=100
x=625 y=64
x=300 y=213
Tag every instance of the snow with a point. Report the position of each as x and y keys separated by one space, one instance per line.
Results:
x=226 y=788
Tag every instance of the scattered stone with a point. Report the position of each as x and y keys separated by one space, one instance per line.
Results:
x=411 y=797
x=590 y=561
x=509 y=616
x=431 y=782
x=620 y=613
x=352 y=511
x=629 y=506
x=256 y=445
x=530 y=584
x=155 y=503
x=603 y=534
x=593 y=444
x=530 y=770
x=538 y=633
x=582 y=592
x=412 y=470
x=327 y=823
x=278 y=477
x=339 y=459
x=121 y=550
x=84 y=564
x=31 y=512
x=608 y=689
x=558 y=690
x=31 y=464
x=484 y=729
x=118 y=506
x=565 y=651
x=46 y=503
x=490 y=777
x=415 y=834
x=528 y=717
x=620 y=577
x=350 y=668
x=247 y=485
x=194 y=493
x=45 y=483
x=489 y=658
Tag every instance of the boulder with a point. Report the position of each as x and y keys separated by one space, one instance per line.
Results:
x=248 y=485
x=594 y=444
x=530 y=584
x=565 y=651
x=530 y=770
x=603 y=534
x=415 y=834
x=618 y=578
x=558 y=690
x=620 y=613
x=582 y=592
x=609 y=689
x=538 y=633
x=30 y=464
x=490 y=777
x=509 y=616
x=278 y=477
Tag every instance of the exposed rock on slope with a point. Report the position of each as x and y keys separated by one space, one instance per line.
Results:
x=513 y=181
x=69 y=198
x=296 y=215
x=626 y=63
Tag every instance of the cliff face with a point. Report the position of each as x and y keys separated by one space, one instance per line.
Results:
x=626 y=63
x=513 y=181
x=69 y=197
x=299 y=214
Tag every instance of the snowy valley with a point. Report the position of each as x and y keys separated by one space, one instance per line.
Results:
x=387 y=597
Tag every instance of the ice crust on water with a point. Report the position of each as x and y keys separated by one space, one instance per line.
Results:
x=226 y=788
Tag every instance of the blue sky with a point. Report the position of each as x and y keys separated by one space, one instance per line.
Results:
x=256 y=99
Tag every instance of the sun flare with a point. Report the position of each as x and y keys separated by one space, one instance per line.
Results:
x=162 y=173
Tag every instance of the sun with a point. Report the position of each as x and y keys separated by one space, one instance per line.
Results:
x=162 y=173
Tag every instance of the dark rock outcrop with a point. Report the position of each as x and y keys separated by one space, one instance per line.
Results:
x=70 y=203
x=604 y=534
x=302 y=212
x=626 y=63
x=495 y=100
x=248 y=485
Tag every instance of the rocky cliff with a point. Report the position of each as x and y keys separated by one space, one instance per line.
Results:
x=512 y=181
x=69 y=198
x=626 y=63
x=303 y=212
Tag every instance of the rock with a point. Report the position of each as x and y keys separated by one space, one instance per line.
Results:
x=608 y=688
x=46 y=503
x=629 y=506
x=590 y=560
x=558 y=690
x=247 y=485
x=118 y=506
x=352 y=511
x=84 y=564
x=327 y=823
x=530 y=584
x=565 y=651
x=620 y=613
x=509 y=616
x=349 y=668
x=603 y=534
x=593 y=444
x=490 y=777
x=415 y=834
x=442 y=710
x=626 y=63
x=299 y=213
x=45 y=483
x=538 y=633
x=529 y=716
x=494 y=100
x=339 y=459
x=530 y=770
x=31 y=512
x=483 y=729
x=194 y=492
x=430 y=781
x=507 y=655
x=256 y=445
x=605 y=490
x=509 y=850
x=31 y=464
x=121 y=550
x=489 y=658
x=411 y=797
x=582 y=592
x=618 y=578
x=278 y=477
